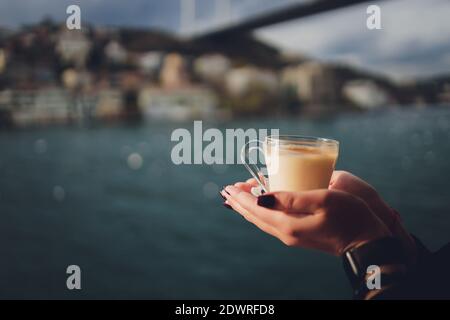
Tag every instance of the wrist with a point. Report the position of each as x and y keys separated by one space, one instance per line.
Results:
x=367 y=237
x=387 y=254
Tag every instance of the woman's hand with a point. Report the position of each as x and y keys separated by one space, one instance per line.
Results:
x=327 y=220
x=345 y=181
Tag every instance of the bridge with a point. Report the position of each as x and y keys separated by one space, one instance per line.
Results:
x=234 y=37
x=225 y=28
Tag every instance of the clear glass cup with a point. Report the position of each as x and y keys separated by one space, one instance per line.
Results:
x=293 y=163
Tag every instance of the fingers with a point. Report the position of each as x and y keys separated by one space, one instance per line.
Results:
x=293 y=230
x=339 y=175
x=249 y=203
x=335 y=175
x=345 y=181
x=300 y=203
x=250 y=217
x=246 y=187
x=252 y=182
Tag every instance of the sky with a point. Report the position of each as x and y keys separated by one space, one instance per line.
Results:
x=414 y=40
x=164 y=14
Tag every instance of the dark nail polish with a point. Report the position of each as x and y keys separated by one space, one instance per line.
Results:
x=222 y=196
x=227 y=206
x=266 y=201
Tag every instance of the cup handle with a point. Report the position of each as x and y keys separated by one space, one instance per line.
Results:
x=254 y=170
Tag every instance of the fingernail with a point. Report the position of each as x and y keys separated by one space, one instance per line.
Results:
x=223 y=189
x=223 y=197
x=266 y=201
x=227 y=206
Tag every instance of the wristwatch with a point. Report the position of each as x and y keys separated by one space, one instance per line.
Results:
x=380 y=252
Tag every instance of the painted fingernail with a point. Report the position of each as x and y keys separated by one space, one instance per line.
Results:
x=266 y=201
x=223 y=197
x=227 y=206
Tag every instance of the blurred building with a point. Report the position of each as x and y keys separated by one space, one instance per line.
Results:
x=212 y=67
x=314 y=82
x=70 y=79
x=173 y=74
x=365 y=94
x=73 y=46
x=109 y=104
x=150 y=62
x=115 y=53
x=6 y=108
x=192 y=102
x=444 y=95
x=240 y=80
x=6 y=98
x=2 y=60
x=50 y=105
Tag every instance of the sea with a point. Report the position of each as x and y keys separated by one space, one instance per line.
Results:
x=110 y=200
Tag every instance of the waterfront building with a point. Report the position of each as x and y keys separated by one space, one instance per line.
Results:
x=212 y=67
x=240 y=80
x=173 y=74
x=73 y=46
x=192 y=102
x=314 y=82
x=365 y=94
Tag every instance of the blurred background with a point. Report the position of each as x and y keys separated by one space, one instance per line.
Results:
x=86 y=118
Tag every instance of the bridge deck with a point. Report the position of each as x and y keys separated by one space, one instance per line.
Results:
x=292 y=12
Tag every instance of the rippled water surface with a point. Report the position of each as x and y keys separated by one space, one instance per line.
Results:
x=109 y=200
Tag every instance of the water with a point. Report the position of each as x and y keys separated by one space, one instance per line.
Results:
x=142 y=227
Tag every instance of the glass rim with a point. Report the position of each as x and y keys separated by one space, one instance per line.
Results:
x=286 y=138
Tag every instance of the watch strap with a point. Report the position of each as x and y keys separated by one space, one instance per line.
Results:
x=383 y=251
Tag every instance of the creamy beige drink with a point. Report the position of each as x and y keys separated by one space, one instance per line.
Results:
x=294 y=167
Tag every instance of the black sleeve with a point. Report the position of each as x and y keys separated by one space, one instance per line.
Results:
x=429 y=278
